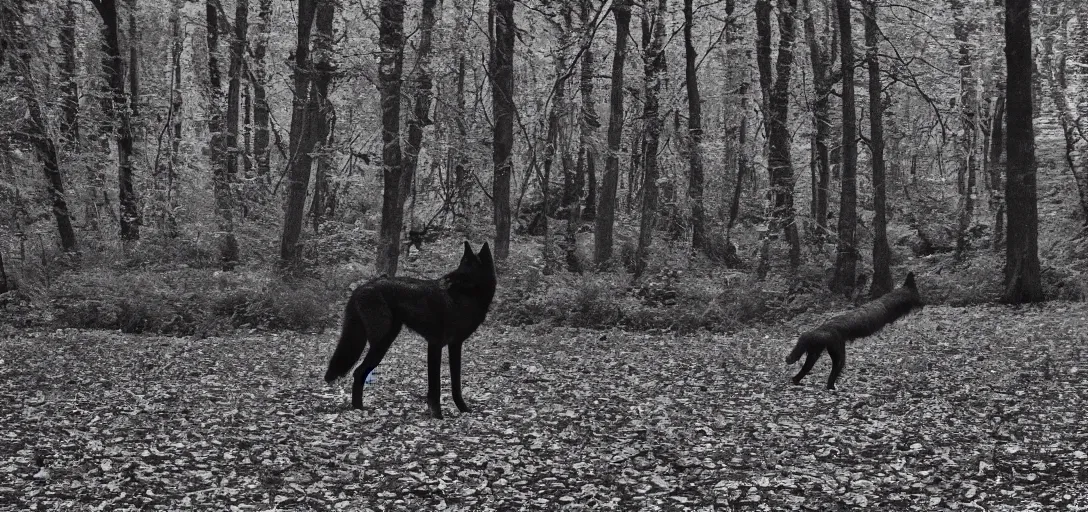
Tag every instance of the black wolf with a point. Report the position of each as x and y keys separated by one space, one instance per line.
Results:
x=444 y=311
x=858 y=323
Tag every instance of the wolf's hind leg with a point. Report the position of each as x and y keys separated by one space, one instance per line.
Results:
x=810 y=361
x=381 y=340
x=838 y=360
x=455 y=375
x=434 y=378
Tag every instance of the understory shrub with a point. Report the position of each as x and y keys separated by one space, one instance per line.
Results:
x=190 y=302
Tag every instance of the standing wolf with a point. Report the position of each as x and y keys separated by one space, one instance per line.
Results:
x=863 y=321
x=444 y=311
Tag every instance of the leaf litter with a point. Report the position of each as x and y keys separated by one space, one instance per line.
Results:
x=953 y=408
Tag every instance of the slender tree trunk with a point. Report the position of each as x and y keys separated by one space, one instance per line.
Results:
x=129 y=211
x=175 y=119
x=1068 y=117
x=1075 y=88
x=133 y=61
x=968 y=114
x=14 y=36
x=655 y=77
x=502 y=101
x=587 y=122
x=457 y=148
x=606 y=210
x=882 y=253
x=997 y=168
x=420 y=117
x=846 y=254
x=261 y=109
x=247 y=137
x=301 y=142
x=322 y=117
x=779 y=160
x=1022 y=270
x=821 y=119
x=587 y=152
x=763 y=53
x=742 y=164
x=551 y=145
x=221 y=178
x=221 y=156
x=69 y=124
x=638 y=140
x=699 y=240
x=229 y=246
x=234 y=87
x=460 y=176
x=390 y=69
x=738 y=84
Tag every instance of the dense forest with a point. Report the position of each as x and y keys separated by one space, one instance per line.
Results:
x=826 y=144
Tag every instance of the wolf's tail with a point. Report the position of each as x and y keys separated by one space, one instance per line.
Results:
x=350 y=347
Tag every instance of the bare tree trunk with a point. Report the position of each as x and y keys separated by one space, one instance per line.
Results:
x=638 y=142
x=1068 y=117
x=699 y=240
x=968 y=115
x=69 y=124
x=779 y=160
x=229 y=246
x=420 y=117
x=821 y=118
x=742 y=164
x=261 y=109
x=606 y=211
x=882 y=253
x=763 y=53
x=390 y=69
x=846 y=254
x=133 y=60
x=502 y=101
x=129 y=211
x=655 y=76
x=301 y=140
x=247 y=138
x=587 y=151
x=221 y=156
x=460 y=176
x=738 y=84
x=997 y=168
x=457 y=148
x=550 y=149
x=1022 y=270
x=14 y=36
x=322 y=116
x=175 y=118
x=587 y=122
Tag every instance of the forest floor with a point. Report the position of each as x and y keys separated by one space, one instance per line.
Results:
x=950 y=409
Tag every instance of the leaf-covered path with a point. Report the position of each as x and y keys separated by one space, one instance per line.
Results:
x=952 y=408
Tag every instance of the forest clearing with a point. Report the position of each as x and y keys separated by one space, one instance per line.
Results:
x=976 y=408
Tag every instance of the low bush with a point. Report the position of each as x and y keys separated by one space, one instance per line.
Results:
x=189 y=302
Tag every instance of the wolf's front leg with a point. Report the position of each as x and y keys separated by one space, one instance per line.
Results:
x=810 y=361
x=434 y=378
x=455 y=376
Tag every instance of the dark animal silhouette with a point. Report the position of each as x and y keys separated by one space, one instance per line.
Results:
x=863 y=321
x=444 y=311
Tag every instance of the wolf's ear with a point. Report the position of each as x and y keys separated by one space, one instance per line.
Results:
x=485 y=255
x=909 y=282
x=468 y=252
